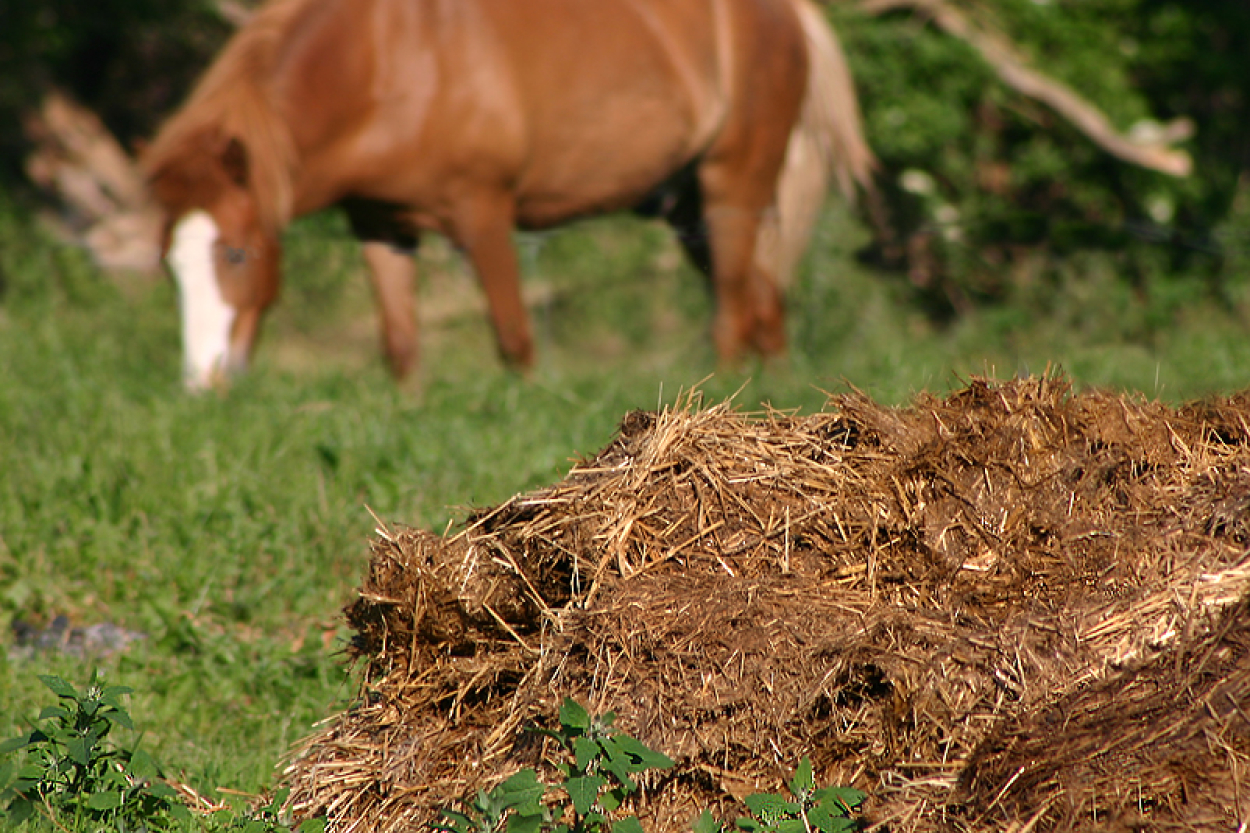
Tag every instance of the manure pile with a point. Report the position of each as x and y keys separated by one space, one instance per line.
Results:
x=1017 y=607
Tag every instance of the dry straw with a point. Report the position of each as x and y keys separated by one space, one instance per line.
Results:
x=1016 y=608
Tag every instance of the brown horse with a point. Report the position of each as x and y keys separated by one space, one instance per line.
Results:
x=473 y=117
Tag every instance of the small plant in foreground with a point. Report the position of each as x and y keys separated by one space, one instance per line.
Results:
x=74 y=774
x=266 y=819
x=80 y=779
x=599 y=777
x=595 y=782
x=805 y=810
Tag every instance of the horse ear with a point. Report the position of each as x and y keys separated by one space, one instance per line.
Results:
x=234 y=160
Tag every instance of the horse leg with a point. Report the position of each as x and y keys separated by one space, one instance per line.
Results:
x=394 y=275
x=483 y=229
x=684 y=211
x=388 y=240
x=749 y=308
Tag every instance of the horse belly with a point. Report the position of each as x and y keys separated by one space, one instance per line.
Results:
x=597 y=177
x=617 y=95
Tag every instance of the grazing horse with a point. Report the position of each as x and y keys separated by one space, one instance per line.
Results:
x=470 y=118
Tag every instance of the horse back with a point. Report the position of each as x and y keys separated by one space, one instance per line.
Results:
x=575 y=106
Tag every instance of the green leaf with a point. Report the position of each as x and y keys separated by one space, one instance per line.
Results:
x=522 y=780
x=829 y=819
x=803 y=783
x=279 y=798
x=79 y=750
x=312 y=826
x=629 y=824
x=112 y=777
x=142 y=766
x=120 y=717
x=607 y=719
x=20 y=809
x=524 y=823
x=53 y=711
x=30 y=772
x=769 y=805
x=585 y=750
x=747 y=824
x=573 y=716
x=612 y=799
x=521 y=791
x=845 y=797
x=460 y=823
x=58 y=686
x=583 y=791
x=770 y=808
x=18 y=742
x=706 y=823
x=791 y=826
x=109 y=800
x=648 y=757
x=621 y=767
x=111 y=694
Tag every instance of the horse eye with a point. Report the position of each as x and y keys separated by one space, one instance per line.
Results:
x=233 y=255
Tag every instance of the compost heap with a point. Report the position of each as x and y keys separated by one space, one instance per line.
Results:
x=1018 y=607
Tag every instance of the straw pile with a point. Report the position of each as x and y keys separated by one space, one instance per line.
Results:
x=1013 y=608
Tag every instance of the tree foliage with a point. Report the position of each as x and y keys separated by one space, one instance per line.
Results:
x=129 y=60
x=982 y=185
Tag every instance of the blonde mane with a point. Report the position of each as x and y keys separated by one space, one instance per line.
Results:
x=827 y=143
x=231 y=102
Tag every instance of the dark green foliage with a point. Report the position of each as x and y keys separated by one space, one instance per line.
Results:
x=79 y=778
x=595 y=780
x=266 y=819
x=989 y=194
x=597 y=777
x=75 y=773
x=806 y=809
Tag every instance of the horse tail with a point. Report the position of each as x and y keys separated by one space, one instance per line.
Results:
x=827 y=142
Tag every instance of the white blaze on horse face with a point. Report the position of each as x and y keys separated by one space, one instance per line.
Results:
x=206 y=317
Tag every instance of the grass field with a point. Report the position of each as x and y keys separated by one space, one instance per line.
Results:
x=230 y=529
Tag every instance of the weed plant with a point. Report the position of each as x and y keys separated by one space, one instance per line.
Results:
x=598 y=777
x=68 y=772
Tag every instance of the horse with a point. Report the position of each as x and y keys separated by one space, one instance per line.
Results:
x=472 y=118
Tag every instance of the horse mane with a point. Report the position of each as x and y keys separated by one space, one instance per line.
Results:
x=231 y=103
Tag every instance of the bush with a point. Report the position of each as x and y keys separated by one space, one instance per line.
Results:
x=986 y=190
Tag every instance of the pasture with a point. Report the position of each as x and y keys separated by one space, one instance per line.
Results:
x=229 y=529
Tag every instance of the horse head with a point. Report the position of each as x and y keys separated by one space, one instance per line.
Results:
x=223 y=255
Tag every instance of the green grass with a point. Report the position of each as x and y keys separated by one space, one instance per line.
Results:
x=231 y=529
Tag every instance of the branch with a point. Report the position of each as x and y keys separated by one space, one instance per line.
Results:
x=99 y=187
x=234 y=13
x=1149 y=149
